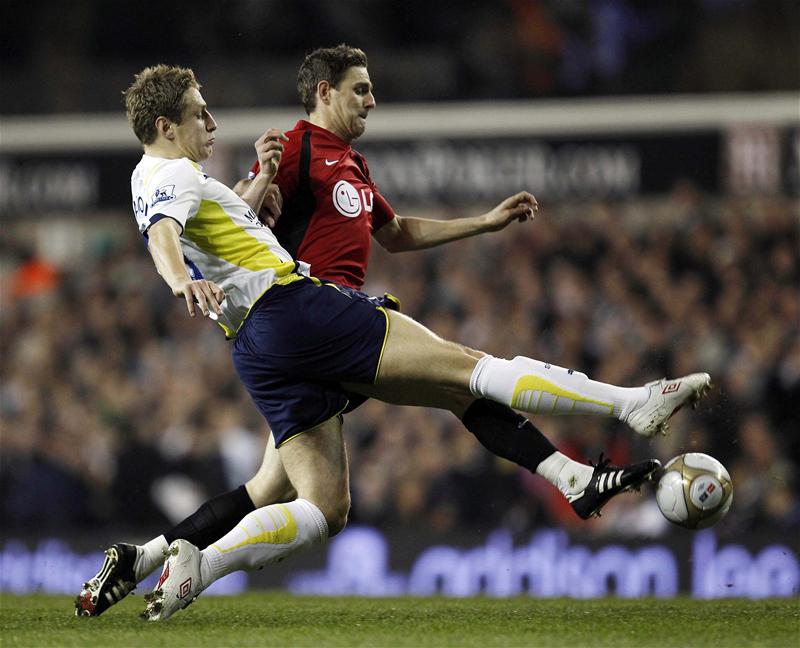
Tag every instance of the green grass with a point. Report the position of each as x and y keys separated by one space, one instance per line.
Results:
x=271 y=620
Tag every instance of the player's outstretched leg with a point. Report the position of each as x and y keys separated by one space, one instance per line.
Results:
x=115 y=580
x=535 y=386
x=418 y=367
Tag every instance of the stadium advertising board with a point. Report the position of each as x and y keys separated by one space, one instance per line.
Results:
x=452 y=171
x=461 y=171
x=364 y=561
x=36 y=184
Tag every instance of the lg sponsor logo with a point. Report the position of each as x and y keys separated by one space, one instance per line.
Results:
x=347 y=200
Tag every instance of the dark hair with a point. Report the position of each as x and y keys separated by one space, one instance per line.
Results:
x=326 y=64
x=155 y=92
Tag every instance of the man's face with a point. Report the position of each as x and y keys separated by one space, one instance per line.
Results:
x=195 y=134
x=351 y=102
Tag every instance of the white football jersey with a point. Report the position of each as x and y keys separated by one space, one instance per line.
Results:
x=222 y=239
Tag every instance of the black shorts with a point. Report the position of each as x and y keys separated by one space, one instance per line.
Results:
x=299 y=343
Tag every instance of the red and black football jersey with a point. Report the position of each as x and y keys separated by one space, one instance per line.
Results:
x=331 y=206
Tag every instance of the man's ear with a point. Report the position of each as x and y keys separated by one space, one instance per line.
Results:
x=324 y=92
x=165 y=127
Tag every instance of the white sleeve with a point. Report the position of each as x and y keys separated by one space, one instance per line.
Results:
x=174 y=190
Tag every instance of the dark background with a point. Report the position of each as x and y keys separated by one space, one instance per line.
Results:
x=119 y=415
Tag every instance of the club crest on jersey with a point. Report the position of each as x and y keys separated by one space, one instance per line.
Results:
x=163 y=194
x=347 y=200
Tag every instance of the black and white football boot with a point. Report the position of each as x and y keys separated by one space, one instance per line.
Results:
x=111 y=584
x=609 y=480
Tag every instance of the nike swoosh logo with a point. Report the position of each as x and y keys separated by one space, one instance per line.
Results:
x=330 y=162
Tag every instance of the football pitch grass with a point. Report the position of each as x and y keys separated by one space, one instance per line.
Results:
x=271 y=619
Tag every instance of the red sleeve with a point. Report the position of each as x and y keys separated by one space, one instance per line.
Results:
x=254 y=170
x=382 y=211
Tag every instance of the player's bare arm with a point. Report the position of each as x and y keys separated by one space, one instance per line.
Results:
x=264 y=197
x=165 y=248
x=272 y=205
x=405 y=233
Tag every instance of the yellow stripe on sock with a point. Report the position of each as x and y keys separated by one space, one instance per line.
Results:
x=282 y=535
x=537 y=383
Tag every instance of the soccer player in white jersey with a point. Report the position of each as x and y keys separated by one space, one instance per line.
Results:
x=302 y=348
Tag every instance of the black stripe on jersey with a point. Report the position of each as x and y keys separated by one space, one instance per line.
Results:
x=298 y=210
x=361 y=162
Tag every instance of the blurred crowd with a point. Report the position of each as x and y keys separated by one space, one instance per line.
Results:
x=118 y=409
x=248 y=51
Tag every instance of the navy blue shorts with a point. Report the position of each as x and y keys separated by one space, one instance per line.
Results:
x=299 y=343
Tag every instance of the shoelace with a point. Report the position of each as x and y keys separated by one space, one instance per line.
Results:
x=603 y=462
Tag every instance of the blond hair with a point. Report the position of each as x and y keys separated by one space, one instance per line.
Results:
x=157 y=91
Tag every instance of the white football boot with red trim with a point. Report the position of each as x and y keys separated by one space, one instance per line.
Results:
x=179 y=584
x=666 y=398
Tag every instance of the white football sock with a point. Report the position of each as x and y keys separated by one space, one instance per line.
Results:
x=264 y=536
x=533 y=386
x=150 y=557
x=567 y=475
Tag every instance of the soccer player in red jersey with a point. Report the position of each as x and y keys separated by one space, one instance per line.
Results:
x=331 y=208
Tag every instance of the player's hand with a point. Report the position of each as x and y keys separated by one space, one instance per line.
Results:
x=269 y=148
x=519 y=207
x=202 y=294
x=272 y=206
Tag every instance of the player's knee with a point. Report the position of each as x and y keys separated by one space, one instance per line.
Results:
x=336 y=514
x=265 y=490
x=256 y=489
x=458 y=403
x=473 y=354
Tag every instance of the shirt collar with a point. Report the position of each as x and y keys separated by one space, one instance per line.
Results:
x=332 y=138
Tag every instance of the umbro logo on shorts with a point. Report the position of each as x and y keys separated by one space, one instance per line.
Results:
x=671 y=387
